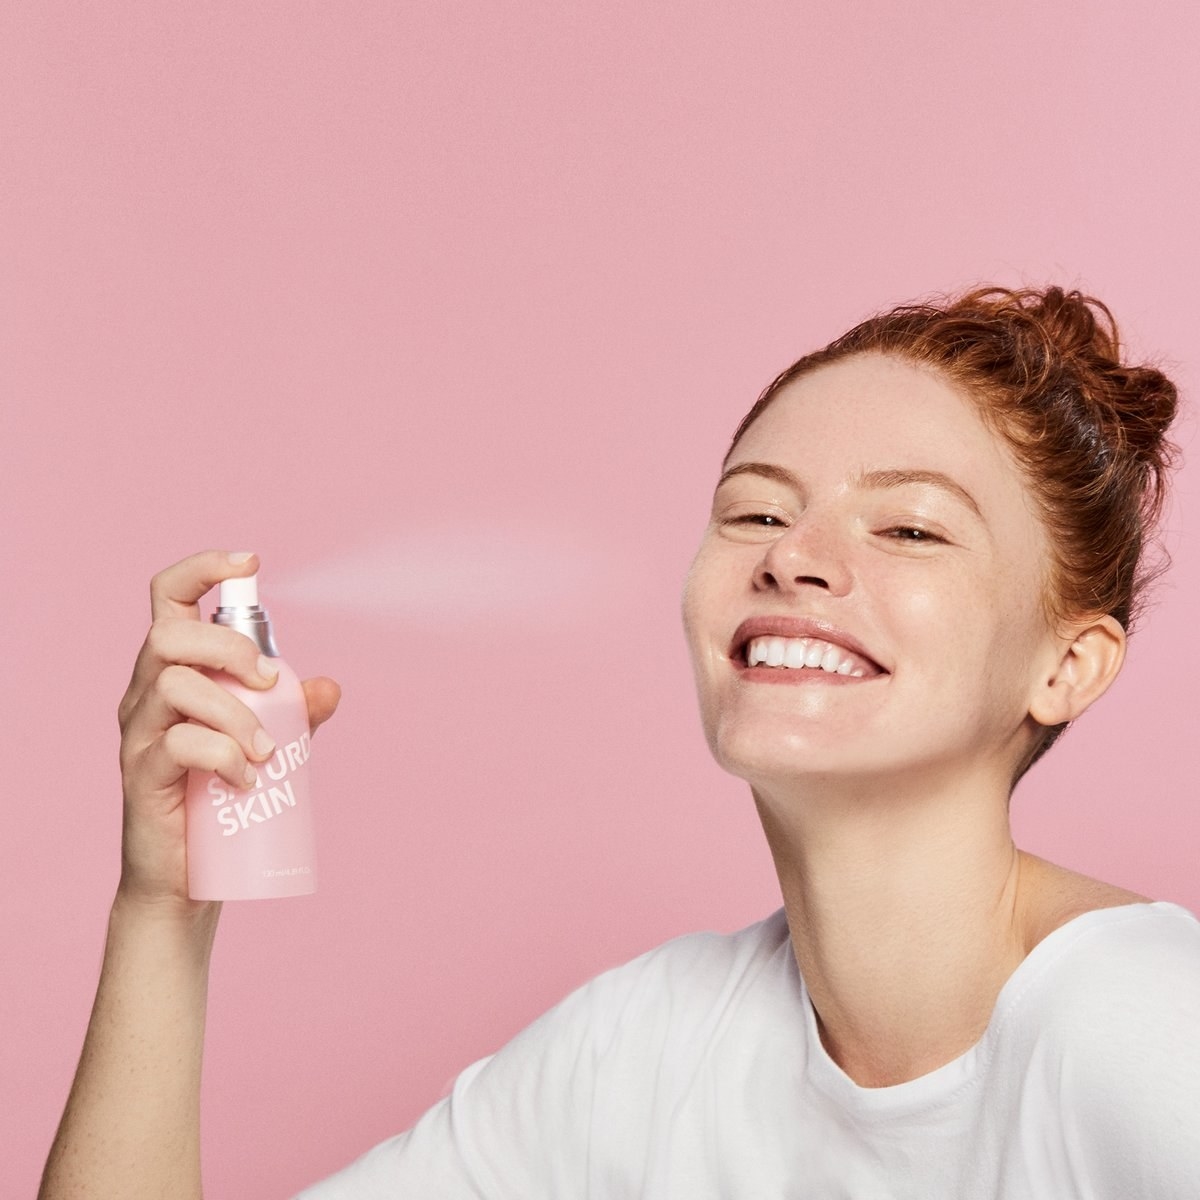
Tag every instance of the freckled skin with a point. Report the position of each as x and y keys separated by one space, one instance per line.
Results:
x=885 y=800
x=949 y=603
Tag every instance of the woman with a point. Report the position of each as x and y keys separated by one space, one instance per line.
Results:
x=924 y=558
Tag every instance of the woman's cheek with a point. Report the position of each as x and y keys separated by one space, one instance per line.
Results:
x=701 y=606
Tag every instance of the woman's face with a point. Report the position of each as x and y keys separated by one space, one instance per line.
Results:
x=870 y=527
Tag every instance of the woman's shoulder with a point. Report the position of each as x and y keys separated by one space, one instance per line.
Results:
x=1134 y=947
x=1054 y=896
x=1107 y=965
x=1073 y=909
x=709 y=953
x=685 y=977
x=1111 y=1011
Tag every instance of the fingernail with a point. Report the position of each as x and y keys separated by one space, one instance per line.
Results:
x=250 y=778
x=240 y=557
x=266 y=668
x=262 y=743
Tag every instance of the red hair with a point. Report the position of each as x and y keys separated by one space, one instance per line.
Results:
x=1088 y=430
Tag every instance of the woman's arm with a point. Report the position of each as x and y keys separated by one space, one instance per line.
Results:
x=131 y=1128
x=132 y=1122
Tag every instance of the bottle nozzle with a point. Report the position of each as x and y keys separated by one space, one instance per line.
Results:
x=238 y=608
x=239 y=593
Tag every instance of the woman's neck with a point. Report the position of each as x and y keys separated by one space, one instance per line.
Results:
x=907 y=914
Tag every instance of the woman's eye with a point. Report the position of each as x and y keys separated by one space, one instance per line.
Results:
x=913 y=533
x=766 y=519
x=752 y=525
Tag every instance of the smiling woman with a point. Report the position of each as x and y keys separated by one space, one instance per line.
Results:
x=925 y=553
x=1086 y=431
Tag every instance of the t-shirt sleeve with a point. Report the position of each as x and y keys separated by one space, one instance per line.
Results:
x=567 y=1109
x=1135 y=1092
x=514 y=1124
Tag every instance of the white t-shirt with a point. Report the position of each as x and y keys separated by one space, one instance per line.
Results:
x=696 y=1071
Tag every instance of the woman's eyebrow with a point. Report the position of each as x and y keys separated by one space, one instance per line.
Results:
x=892 y=478
x=767 y=470
x=898 y=478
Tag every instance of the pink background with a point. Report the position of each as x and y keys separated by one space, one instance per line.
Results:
x=463 y=301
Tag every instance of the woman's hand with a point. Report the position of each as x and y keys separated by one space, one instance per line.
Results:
x=174 y=719
x=131 y=1127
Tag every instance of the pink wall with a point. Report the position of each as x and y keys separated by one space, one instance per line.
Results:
x=469 y=297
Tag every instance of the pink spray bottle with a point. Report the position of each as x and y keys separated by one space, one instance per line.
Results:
x=255 y=843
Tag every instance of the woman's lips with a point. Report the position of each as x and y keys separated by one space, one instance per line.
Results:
x=800 y=650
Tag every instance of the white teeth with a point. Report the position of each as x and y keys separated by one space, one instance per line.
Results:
x=802 y=652
x=794 y=657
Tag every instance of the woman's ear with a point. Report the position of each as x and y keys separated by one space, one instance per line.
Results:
x=1090 y=655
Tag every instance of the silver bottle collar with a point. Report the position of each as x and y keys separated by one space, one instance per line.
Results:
x=254 y=622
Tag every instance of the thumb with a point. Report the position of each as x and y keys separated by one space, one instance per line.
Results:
x=323 y=695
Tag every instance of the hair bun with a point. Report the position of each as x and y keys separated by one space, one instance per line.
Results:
x=1134 y=406
x=1079 y=326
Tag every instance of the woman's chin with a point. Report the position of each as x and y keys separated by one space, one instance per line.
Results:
x=788 y=759
x=786 y=752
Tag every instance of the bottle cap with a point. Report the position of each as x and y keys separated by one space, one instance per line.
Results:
x=239 y=593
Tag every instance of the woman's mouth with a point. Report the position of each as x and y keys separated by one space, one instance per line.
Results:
x=795 y=654
x=789 y=649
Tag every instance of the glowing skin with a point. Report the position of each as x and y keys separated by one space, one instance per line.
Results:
x=870 y=510
x=943 y=597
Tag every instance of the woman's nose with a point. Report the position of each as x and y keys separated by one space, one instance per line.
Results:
x=804 y=555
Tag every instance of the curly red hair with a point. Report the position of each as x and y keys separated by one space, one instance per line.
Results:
x=1089 y=431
